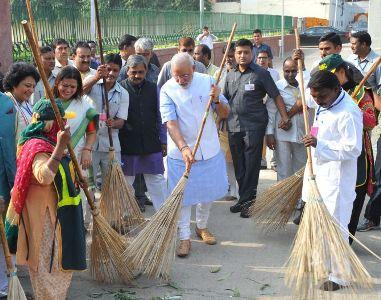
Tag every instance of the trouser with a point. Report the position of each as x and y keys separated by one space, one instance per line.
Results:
x=373 y=208
x=356 y=211
x=291 y=157
x=3 y=273
x=202 y=215
x=233 y=190
x=102 y=160
x=140 y=188
x=155 y=186
x=246 y=150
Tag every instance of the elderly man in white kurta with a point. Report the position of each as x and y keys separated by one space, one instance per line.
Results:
x=336 y=141
x=183 y=101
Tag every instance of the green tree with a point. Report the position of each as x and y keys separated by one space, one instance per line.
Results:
x=184 y=5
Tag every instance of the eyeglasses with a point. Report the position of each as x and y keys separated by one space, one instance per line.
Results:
x=262 y=58
x=187 y=50
x=184 y=76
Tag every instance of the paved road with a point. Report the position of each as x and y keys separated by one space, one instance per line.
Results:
x=249 y=263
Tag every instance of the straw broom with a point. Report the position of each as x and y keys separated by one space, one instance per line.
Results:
x=273 y=208
x=15 y=290
x=107 y=245
x=118 y=203
x=153 y=249
x=319 y=245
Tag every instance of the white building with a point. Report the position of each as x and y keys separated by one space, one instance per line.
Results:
x=339 y=12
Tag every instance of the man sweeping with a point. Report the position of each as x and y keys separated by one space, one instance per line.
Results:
x=336 y=140
x=183 y=100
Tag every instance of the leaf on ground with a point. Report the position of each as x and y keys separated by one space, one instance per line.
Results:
x=95 y=295
x=226 y=276
x=215 y=269
x=236 y=292
x=264 y=286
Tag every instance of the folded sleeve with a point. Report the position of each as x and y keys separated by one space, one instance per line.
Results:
x=167 y=107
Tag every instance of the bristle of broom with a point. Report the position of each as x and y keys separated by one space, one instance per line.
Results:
x=106 y=249
x=318 y=245
x=273 y=208
x=153 y=249
x=15 y=290
x=117 y=202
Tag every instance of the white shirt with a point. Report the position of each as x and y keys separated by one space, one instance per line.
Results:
x=339 y=143
x=58 y=66
x=290 y=95
x=364 y=66
x=39 y=90
x=118 y=103
x=187 y=106
x=274 y=74
x=207 y=40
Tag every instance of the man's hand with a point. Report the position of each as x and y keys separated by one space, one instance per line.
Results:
x=110 y=123
x=270 y=141
x=309 y=140
x=164 y=149
x=215 y=93
x=298 y=54
x=85 y=159
x=285 y=124
x=187 y=157
x=101 y=72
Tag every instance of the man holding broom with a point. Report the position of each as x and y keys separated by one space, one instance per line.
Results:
x=336 y=141
x=183 y=100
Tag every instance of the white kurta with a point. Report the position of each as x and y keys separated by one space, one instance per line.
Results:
x=339 y=143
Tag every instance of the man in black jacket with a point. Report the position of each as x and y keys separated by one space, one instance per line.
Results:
x=143 y=137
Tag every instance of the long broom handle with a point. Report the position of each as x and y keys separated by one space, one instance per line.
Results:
x=7 y=253
x=211 y=98
x=366 y=77
x=305 y=111
x=104 y=92
x=31 y=20
x=57 y=113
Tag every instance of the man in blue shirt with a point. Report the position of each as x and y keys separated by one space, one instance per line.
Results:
x=259 y=46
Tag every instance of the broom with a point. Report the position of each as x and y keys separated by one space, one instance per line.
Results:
x=118 y=203
x=273 y=208
x=106 y=263
x=15 y=290
x=153 y=249
x=319 y=245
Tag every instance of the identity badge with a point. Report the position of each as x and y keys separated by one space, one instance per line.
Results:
x=249 y=87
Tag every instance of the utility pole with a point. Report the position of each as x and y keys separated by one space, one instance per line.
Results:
x=5 y=35
x=282 y=40
x=201 y=14
x=374 y=24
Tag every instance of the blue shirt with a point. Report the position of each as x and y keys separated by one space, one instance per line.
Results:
x=260 y=48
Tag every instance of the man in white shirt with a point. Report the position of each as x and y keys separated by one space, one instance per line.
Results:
x=183 y=101
x=118 y=99
x=263 y=59
x=363 y=57
x=61 y=52
x=206 y=38
x=48 y=63
x=290 y=151
x=336 y=141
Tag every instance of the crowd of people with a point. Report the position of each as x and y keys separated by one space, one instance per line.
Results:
x=154 y=115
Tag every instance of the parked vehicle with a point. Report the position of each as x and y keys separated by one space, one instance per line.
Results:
x=358 y=26
x=311 y=36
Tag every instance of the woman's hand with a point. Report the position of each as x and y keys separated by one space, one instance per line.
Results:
x=63 y=138
x=86 y=159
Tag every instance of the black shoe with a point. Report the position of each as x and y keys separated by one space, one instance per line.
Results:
x=236 y=208
x=148 y=202
x=298 y=217
x=330 y=286
x=245 y=212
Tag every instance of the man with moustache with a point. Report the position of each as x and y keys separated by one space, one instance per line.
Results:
x=203 y=54
x=61 y=52
x=118 y=100
x=48 y=63
x=183 y=101
x=143 y=137
x=245 y=87
x=290 y=152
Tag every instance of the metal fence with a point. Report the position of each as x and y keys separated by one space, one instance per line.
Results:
x=73 y=24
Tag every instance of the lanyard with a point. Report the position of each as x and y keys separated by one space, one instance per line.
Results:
x=109 y=100
x=360 y=63
x=329 y=107
x=21 y=109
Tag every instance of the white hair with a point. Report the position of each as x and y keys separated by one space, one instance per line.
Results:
x=145 y=44
x=182 y=58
